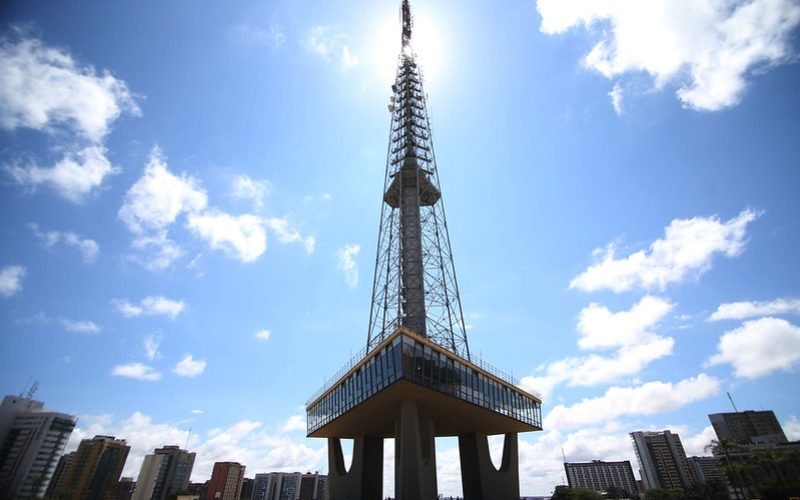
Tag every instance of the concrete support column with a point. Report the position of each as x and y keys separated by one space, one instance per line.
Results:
x=415 y=455
x=364 y=480
x=480 y=480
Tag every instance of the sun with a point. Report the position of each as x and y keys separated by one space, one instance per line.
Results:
x=426 y=41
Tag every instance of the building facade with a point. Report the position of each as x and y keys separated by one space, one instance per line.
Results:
x=95 y=470
x=163 y=473
x=125 y=488
x=662 y=460
x=599 y=476
x=705 y=469
x=57 y=481
x=290 y=486
x=226 y=481
x=32 y=440
x=748 y=427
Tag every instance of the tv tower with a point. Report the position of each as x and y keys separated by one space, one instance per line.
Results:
x=415 y=280
x=416 y=379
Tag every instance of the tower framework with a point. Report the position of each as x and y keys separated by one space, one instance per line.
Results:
x=416 y=379
x=415 y=281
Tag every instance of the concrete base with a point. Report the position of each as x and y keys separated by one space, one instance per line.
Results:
x=415 y=455
x=479 y=478
x=364 y=480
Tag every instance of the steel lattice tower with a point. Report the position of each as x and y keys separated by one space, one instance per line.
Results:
x=415 y=281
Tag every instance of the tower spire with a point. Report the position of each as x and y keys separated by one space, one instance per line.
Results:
x=415 y=282
x=408 y=22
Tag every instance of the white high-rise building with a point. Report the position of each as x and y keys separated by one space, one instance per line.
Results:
x=32 y=440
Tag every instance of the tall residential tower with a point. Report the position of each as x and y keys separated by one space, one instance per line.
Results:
x=32 y=440
x=662 y=460
x=416 y=378
x=95 y=469
x=163 y=473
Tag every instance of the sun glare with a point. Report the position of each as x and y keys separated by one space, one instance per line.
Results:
x=426 y=41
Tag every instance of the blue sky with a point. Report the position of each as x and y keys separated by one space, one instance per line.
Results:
x=190 y=198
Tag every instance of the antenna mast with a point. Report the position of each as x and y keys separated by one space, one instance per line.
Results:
x=408 y=22
x=732 y=403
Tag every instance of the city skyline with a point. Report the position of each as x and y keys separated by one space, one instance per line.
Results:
x=191 y=200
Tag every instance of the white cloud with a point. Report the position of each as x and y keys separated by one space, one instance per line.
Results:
x=11 y=280
x=348 y=265
x=286 y=233
x=707 y=48
x=163 y=306
x=271 y=35
x=647 y=399
x=328 y=44
x=242 y=236
x=263 y=335
x=792 y=428
x=88 y=248
x=248 y=189
x=348 y=59
x=630 y=332
x=156 y=200
x=159 y=198
x=695 y=445
x=138 y=371
x=595 y=369
x=189 y=367
x=41 y=86
x=126 y=308
x=150 y=306
x=74 y=177
x=197 y=411
x=157 y=251
x=616 y=98
x=80 y=326
x=759 y=347
x=153 y=204
x=294 y=423
x=600 y=328
x=744 y=310
x=151 y=345
x=323 y=198
x=686 y=250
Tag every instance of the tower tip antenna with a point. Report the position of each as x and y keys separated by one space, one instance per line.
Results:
x=408 y=22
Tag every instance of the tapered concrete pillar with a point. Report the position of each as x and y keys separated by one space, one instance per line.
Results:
x=415 y=455
x=364 y=480
x=480 y=479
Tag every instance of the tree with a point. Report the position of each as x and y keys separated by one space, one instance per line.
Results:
x=561 y=493
x=662 y=494
x=709 y=490
x=567 y=493
x=585 y=494
x=723 y=450
x=614 y=493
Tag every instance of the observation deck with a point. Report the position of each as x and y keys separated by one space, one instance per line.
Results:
x=457 y=395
